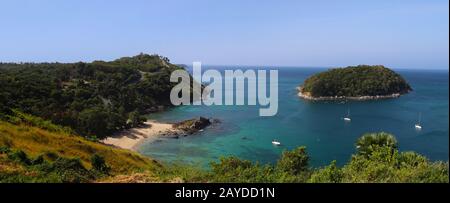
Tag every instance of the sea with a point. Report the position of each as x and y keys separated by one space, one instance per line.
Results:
x=317 y=125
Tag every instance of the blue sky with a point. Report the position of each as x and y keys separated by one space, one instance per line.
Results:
x=396 y=33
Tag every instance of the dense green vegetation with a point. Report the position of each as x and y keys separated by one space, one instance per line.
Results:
x=94 y=99
x=355 y=81
x=32 y=150
x=377 y=160
x=45 y=107
x=20 y=168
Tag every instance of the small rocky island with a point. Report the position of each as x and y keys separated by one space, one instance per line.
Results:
x=189 y=127
x=361 y=82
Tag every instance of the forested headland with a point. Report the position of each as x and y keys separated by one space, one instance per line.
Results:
x=94 y=99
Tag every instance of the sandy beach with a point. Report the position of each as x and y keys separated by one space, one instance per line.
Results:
x=131 y=138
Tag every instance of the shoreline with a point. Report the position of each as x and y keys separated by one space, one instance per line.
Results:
x=130 y=139
x=339 y=98
x=151 y=130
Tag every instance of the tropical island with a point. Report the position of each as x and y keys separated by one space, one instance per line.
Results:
x=361 y=82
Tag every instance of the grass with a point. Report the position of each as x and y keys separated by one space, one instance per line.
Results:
x=35 y=141
x=33 y=150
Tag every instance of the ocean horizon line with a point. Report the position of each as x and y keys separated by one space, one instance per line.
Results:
x=309 y=67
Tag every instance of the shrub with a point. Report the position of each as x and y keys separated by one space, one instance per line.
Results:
x=411 y=159
x=227 y=164
x=38 y=160
x=19 y=156
x=329 y=174
x=293 y=162
x=135 y=119
x=4 y=150
x=99 y=164
x=51 y=155
x=69 y=170
x=232 y=169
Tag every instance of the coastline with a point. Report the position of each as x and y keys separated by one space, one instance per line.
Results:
x=337 y=98
x=151 y=130
x=130 y=139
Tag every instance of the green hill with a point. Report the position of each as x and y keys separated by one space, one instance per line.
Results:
x=94 y=99
x=32 y=150
x=356 y=82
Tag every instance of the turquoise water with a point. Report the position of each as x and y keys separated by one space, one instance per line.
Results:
x=316 y=125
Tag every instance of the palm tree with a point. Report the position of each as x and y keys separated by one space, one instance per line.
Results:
x=368 y=142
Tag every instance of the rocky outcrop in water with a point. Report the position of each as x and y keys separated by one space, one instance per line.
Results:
x=190 y=127
x=193 y=125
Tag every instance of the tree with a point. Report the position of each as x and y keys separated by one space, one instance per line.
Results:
x=229 y=164
x=329 y=174
x=135 y=119
x=366 y=144
x=92 y=98
x=293 y=162
x=93 y=122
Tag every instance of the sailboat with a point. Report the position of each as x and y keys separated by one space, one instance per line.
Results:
x=276 y=142
x=418 y=125
x=347 y=118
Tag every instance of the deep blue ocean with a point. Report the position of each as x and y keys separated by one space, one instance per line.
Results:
x=317 y=125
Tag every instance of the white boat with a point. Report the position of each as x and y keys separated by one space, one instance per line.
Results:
x=276 y=143
x=418 y=126
x=347 y=118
